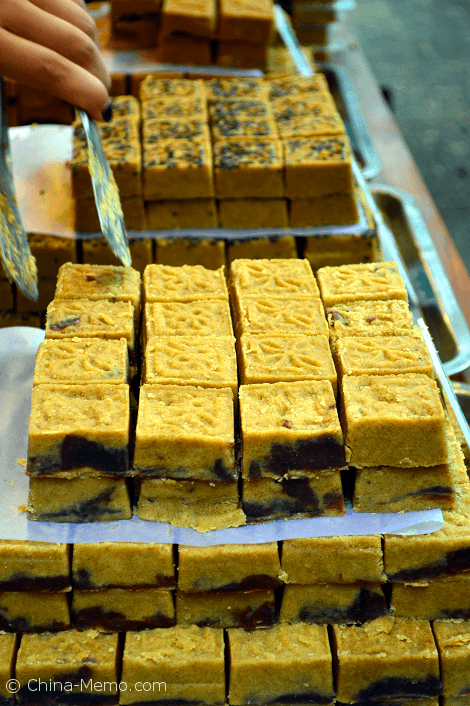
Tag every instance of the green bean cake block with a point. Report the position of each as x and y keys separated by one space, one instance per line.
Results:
x=209 y=318
x=284 y=278
x=8 y=649
x=190 y=663
x=330 y=603
x=87 y=221
x=79 y=361
x=191 y=360
x=267 y=499
x=370 y=318
x=455 y=701
x=434 y=600
x=252 y=21
x=229 y=567
x=126 y=107
x=336 y=560
x=124 y=158
x=34 y=611
x=177 y=169
x=188 y=17
x=84 y=499
x=175 y=214
x=34 y=566
x=301 y=317
x=393 y=420
x=280 y=665
x=290 y=429
x=226 y=609
x=153 y=87
x=185 y=432
x=249 y=128
x=387 y=657
x=128 y=565
x=327 y=210
x=239 y=109
x=200 y=505
x=190 y=129
x=51 y=252
x=79 y=426
x=275 y=247
x=72 y=319
x=235 y=88
x=188 y=283
x=99 y=282
x=122 y=609
x=334 y=250
x=257 y=213
x=97 y=251
x=453 y=640
x=245 y=168
x=290 y=86
x=173 y=108
x=370 y=281
x=302 y=104
x=383 y=355
x=444 y=554
x=285 y=358
x=87 y=659
x=317 y=166
x=322 y=121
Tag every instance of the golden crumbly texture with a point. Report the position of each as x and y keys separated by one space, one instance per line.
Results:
x=87 y=221
x=229 y=567
x=194 y=17
x=277 y=358
x=192 y=129
x=82 y=499
x=276 y=247
x=117 y=609
x=123 y=565
x=126 y=106
x=39 y=654
x=191 y=360
x=185 y=432
x=229 y=609
x=293 y=316
x=96 y=251
x=393 y=420
x=190 y=663
x=174 y=108
x=382 y=355
x=317 y=166
x=331 y=603
x=337 y=209
x=177 y=169
x=152 y=87
x=365 y=282
x=383 y=650
x=305 y=104
x=343 y=560
x=437 y=600
x=320 y=120
x=8 y=648
x=370 y=318
x=241 y=55
x=25 y=565
x=94 y=282
x=235 y=89
x=270 y=664
x=274 y=279
x=246 y=168
x=453 y=644
x=174 y=214
x=75 y=361
x=363 y=247
x=256 y=213
x=289 y=86
x=32 y=611
x=51 y=252
x=252 y=21
x=289 y=416
x=250 y=128
x=239 y=109
x=209 y=318
x=185 y=284
x=199 y=505
x=319 y=495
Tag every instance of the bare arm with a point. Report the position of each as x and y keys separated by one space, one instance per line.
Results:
x=52 y=45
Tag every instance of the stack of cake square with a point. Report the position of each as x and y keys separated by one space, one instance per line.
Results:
x=79 y=433
x=292 y=442
x=185 y=436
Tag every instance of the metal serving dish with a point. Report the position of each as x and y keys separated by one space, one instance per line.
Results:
x=462 y=392
x=343 y=93
x=434 y=292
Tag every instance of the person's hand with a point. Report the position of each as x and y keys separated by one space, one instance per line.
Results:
x=52 y=45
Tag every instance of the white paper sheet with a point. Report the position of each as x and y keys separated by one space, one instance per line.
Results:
x=18 y=346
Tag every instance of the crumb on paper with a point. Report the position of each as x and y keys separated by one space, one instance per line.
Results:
x=22 y=508
x=11 y=482
x=21 y=462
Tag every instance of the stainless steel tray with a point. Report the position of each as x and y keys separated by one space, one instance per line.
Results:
x=462 y=392
x=434 y=292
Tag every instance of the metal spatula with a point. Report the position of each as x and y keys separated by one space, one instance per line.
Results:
x=108 y=203
x=15 y=254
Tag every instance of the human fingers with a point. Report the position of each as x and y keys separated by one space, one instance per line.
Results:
x=73 y=11
x=38 y=66
x=59 y=35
